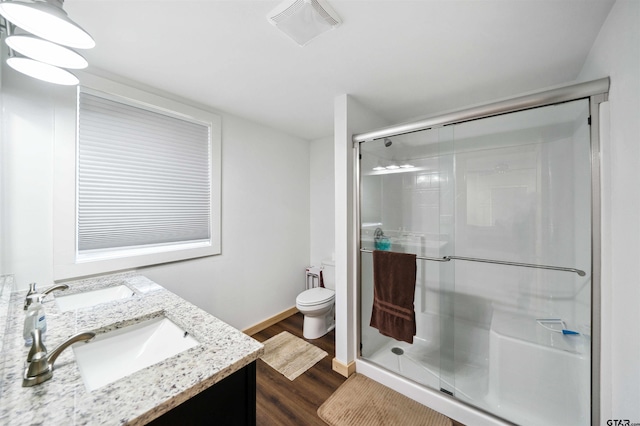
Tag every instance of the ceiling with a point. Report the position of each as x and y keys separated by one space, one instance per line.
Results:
x=402 y=59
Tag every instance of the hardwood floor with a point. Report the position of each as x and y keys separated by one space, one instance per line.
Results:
x=280 y=401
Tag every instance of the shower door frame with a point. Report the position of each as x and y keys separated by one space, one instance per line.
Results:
x=595 y=92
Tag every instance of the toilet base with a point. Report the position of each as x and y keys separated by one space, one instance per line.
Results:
x=316 y=327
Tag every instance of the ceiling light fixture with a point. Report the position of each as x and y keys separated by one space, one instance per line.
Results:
x=46 y=51
x=303 y=20
x=43 y=57
x=46 y=19
x=42 y=71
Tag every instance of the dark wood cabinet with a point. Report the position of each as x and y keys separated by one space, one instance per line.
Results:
x=232 y=401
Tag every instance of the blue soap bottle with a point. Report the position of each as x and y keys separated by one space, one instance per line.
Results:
x=35 y=318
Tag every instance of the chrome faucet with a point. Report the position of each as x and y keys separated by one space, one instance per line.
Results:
x=32 y=290
x=40 y=368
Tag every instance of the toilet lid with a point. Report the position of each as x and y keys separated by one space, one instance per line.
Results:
x=315 y=296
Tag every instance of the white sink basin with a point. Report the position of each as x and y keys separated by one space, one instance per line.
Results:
x=91 y=298
x=119 y=353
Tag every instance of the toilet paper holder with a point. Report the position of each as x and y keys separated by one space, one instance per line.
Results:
x=313 y=277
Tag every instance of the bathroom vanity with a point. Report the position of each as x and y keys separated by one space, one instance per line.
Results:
x=213 y=381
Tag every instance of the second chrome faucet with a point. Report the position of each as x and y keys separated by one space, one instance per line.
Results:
x=32 y=290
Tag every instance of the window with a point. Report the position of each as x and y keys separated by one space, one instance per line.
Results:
x=146 y=184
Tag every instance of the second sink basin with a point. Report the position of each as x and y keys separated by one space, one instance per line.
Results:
x=91 y=298
x=119 y=353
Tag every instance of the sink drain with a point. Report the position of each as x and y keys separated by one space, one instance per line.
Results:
x=397 y=351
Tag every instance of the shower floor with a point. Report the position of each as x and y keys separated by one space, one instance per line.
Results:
x=422 y=363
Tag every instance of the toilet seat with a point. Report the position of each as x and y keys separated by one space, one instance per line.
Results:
x=315 y=296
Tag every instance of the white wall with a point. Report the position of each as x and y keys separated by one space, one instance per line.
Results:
x=265 y=213
x=28 y=140
x=322 y=202
x=350 y=117
x=616 y=53
x=265 y=230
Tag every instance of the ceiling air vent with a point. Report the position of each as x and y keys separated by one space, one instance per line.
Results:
x=303 y=20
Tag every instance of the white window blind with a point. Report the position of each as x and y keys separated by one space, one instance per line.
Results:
x=144 y=177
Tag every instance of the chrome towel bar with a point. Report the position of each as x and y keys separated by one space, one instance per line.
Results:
x=498 y=262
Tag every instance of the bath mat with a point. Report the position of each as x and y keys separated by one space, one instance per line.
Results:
x=290 y=355
x=360 y=401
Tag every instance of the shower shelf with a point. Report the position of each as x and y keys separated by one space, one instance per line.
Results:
x=498 y=262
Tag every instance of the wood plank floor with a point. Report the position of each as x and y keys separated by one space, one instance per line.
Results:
x=280 y=401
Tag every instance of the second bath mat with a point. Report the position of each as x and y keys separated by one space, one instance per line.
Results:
x=361 y=401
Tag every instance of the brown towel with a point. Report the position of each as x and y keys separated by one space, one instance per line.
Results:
x=394 y=282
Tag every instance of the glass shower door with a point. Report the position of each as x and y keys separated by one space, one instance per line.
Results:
x=485 y=204
x=401 y=197
x=522 y=333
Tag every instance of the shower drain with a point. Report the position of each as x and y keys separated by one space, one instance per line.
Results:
x=397 y=351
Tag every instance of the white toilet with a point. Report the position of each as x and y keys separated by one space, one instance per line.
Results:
x=316 y=304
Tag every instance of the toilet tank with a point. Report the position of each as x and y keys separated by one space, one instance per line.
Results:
x=329 y=273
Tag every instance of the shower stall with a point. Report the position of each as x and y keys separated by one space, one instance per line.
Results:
x=500 y=203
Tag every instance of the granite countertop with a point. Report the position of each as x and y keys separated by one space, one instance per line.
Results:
x=137 y=398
